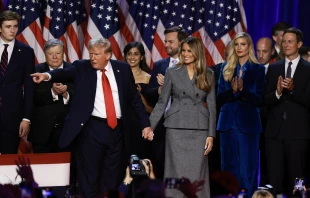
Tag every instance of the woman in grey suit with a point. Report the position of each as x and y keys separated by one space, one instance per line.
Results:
x=191 y=119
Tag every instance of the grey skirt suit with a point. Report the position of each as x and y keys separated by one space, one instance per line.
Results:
x=189 y=121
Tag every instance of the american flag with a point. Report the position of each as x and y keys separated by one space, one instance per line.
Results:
x=121 y=21
x=66 y=20
x=29 y=29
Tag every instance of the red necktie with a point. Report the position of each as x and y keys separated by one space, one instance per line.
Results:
x=4 y=59
x=108 y=100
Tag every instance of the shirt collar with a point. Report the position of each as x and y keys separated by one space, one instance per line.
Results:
x=61 y=67
x=11 y=43
x=295 y=61
x=177 y=59
x=108 y=67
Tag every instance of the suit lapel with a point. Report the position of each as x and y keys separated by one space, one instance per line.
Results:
x=299 y=72
x=184 y=79
x=15 y=57
x=282 y=68
x=46 y=68
x=118 y=77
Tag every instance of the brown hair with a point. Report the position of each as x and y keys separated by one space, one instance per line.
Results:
x=182 y=34
x=204 y=78
x=8 y=15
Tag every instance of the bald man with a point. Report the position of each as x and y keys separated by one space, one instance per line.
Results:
x=264 y=51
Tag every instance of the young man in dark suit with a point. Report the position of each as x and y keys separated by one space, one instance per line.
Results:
x=16 y=85
x=173 y=38
x=51 y=102
x=99 y=116
x=287 y=96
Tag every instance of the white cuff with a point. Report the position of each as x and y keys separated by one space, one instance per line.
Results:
x=278 y=96
x=66 y=101
x=55 y=97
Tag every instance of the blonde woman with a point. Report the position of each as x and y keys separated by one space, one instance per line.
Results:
x=240 y=90
x=190 y=124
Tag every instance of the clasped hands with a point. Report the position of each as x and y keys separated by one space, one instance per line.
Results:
x=59 y=88
x=236 y=84
x=286 y=83
x=147 y=133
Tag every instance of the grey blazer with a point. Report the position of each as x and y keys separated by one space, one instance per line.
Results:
x=187 y=109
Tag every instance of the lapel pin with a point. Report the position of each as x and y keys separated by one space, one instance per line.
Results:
x=117 y=70
x=19 y=50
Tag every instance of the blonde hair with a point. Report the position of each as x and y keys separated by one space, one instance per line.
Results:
x=262 y=194
x=204 y=78
x=233 y=59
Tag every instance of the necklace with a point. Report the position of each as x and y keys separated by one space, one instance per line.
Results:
x=138 y=73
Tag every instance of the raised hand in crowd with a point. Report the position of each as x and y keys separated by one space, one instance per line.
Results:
x=24 y=171
x=190 y=189
x=39 y=77
x=149 y=168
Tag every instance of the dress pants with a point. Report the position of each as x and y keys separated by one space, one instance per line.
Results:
x=51 y=146
x=239 y=156
x=283 y=152
x=98 y=152
x=9 y=140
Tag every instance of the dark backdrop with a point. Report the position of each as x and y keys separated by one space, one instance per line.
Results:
x=263 y=14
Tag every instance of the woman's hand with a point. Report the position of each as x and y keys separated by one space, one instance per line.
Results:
x=209 y=145
x=234 y=84
x=240 y=84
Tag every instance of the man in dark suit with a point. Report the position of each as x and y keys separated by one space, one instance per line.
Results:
x=173 y=38
x=287 y=96
x=99 y=117
x=277 y=33
x=51 y=102
x=16 y=85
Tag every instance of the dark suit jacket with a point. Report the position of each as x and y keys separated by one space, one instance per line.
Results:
x=296 y=104
x=17 y=87
x=82 y=105
x=217 y=70
x=151 y=92
x=243 y=107
x=47 y=112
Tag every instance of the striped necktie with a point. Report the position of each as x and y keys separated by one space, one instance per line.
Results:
x=4 y=60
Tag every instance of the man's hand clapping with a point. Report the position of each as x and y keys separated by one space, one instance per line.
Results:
x=59 y=88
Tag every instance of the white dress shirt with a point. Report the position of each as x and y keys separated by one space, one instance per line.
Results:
x=266 y=68
x=55 y=97
x=293 y=67
x=99 y=106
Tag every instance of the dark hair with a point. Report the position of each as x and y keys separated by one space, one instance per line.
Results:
x=297 y=32
x=280 y=26
x=303 y=52
x=8 y=15
x=140 y=48
x=182 y=34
